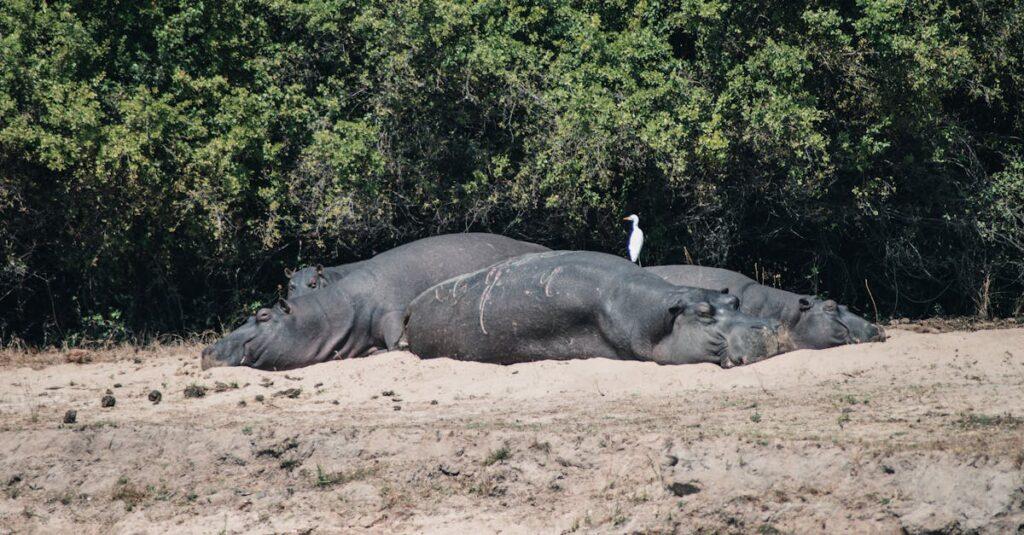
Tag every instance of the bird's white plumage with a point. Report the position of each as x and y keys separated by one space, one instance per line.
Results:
x=636 y=238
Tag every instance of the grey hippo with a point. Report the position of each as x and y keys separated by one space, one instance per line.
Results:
x=580 y=304
x=810 y=322
x=362 y=312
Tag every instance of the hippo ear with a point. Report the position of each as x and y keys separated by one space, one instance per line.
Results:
x=285 y=307
x=805 y=304
x=288 y=272
x=677 y=308
x=319 y=269
x=830 y=306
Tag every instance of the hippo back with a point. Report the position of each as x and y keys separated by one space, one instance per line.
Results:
x=704 y=277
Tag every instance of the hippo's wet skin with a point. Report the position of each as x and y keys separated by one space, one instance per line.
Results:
x=810 y=322
x=362 y=312
x=577 y=304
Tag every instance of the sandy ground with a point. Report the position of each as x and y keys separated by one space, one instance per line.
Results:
x=923 y=433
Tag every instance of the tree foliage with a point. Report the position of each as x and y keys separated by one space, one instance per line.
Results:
x=161 y=162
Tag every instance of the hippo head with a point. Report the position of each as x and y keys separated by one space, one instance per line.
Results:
x=708 y=326
x=824 y=323
x=305 y=280
x=291 y=334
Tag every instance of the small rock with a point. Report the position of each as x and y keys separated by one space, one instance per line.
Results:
x=195 y=391
x=387 y=393
x=71 y=416
x=259 y=398
x=681 y=488
x=109 y=392
x=288 y=393
x=433 y=402
x=108 y=401
x=335 y=402
x=318 y=385
x=241 y=403
x=888 y=469
x=396 y=407
x=448 y=470
x=117 y=385
x=155 y=396
x=669 y=460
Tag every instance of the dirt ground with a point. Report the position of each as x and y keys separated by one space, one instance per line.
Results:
x=923 y=433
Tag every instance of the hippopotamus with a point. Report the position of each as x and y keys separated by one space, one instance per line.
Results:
x=810 y=322
x=580 y=304
x=361 y=313
x=313 y=278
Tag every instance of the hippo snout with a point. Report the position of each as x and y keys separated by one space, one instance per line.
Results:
x=877 y=334
x=758 y=341
x=209 y=358
x=868 y=333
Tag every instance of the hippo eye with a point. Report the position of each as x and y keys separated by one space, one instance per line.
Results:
x=312 y=283
x=263 y=315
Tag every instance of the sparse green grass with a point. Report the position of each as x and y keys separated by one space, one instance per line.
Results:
x=330 y=479
x=971 y=420
x=128 y=493
x=501 y=454
x=290 y=464
x=850 y=399
x=844 y=418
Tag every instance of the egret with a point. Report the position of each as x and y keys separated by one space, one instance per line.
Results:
x=636 y=238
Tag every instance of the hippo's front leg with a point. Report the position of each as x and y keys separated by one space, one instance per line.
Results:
x=389 y=329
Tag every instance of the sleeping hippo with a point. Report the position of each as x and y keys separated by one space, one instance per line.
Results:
x=360 y=313
x=313 y=278
x=812 y=323
x=579 y=304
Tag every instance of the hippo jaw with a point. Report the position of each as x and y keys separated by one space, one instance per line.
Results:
x=861 y=330
x=230 y=350
x=752 y=342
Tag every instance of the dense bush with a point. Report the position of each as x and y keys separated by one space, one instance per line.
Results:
x=162 y=162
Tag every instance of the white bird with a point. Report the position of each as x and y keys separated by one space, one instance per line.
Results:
x=636 y=238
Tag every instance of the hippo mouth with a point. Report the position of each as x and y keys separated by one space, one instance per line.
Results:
x=762 y=343
x=719 y=348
